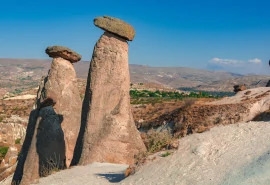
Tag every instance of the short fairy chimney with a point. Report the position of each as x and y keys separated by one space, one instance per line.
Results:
x=61 y=85
x=54 y=124
x=110 y=133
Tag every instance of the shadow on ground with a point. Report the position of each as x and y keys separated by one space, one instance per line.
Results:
x=112 y=177
x=264 y=116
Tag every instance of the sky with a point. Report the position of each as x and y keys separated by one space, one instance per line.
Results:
x=229 y=35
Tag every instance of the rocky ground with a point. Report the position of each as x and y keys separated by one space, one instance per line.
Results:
x=13 y=122
x=193 y=116
x=198 y=115
x=231 y=154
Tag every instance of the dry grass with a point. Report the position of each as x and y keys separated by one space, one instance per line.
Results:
x=147 y=113
x=52 y=165
x=16 y=107
x=156 y=141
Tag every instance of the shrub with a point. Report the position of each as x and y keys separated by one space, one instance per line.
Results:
x=18 y=141
x=52 y=165
x=165 y=154
x=1 y=118
x=140 y=158
x=82 y=96
x=3 y=151
x=17 y=91
x=156 y=141
x=188 y=102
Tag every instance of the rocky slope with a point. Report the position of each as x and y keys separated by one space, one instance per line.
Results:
x=231 y=154
x=199 y=116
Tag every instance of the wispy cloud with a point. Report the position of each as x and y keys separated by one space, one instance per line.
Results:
x=225 y=61
x=254 y=65
x=255 y=61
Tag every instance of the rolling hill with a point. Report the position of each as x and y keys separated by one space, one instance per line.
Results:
x=22 y=74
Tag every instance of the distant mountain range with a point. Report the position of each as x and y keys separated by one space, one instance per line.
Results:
x=24 y=73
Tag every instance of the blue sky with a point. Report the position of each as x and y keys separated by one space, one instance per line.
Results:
x=222 y=35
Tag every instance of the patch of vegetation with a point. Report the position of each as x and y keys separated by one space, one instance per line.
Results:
x=18 y=141
x=51 y=166
x=156 y=141
x=82 y=96
x=147 y=97
x=17 y=91
x=217 y=94
x=188 y=102
x=217 y=120
x=165 y=154
x=3 y=151
x=2 y=118
x=140 y=158
x=16 y=108
x=152 y=101
x=170 y=94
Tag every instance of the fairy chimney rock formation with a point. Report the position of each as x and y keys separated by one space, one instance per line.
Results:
x=54 y=124
x=61 y=86
x=110 y=133
x=116 y=26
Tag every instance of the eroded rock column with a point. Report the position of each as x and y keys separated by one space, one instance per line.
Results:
x=61 y=85
x=54 y=124
x=110 y=133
